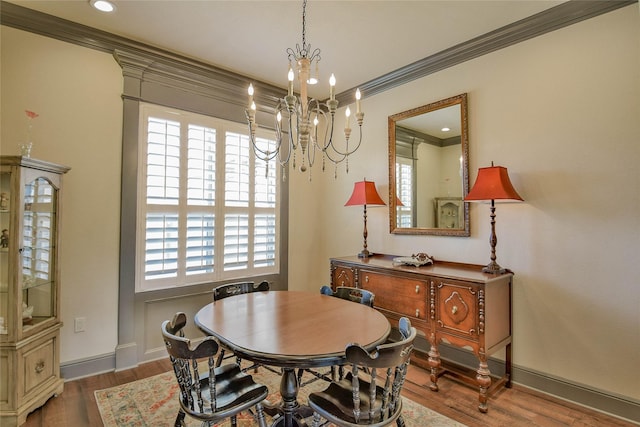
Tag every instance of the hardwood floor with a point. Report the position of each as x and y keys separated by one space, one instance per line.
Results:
x=518 y=406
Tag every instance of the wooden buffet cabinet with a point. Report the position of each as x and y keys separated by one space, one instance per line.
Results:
x=449 y=302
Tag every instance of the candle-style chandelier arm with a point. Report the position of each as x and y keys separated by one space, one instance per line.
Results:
x=331 y=145
x=264 y=155
x=336 y=156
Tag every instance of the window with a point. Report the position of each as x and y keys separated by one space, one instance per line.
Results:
x=207 y=207
x=404 y=191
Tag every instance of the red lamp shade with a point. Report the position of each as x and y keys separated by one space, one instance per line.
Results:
x=364 y=193
x=493 y=183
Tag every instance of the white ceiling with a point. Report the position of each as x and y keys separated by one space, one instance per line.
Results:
x=360 y=40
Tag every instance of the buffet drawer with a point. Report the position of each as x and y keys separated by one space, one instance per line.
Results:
x=39 y=364
x=405 y=296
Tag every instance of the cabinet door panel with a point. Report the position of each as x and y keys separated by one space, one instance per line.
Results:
x=402 y=295
x=343 y=276
x=457 y=310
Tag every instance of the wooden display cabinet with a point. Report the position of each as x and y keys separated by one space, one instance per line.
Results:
x=29 y=286
x=448 y=302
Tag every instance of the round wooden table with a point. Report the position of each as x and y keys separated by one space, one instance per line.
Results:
x=291 y=330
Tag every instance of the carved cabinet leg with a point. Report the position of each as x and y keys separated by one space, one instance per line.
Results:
x=484 y=382
x=434 y=363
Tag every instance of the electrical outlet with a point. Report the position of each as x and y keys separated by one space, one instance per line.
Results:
x=79 y=324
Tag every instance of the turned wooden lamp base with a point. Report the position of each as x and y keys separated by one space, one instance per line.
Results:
x=494 y=268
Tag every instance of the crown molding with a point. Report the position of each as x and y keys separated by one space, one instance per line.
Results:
x=160 y=60
x=557 y=17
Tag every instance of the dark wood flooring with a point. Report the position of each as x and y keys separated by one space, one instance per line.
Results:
x=518 y=406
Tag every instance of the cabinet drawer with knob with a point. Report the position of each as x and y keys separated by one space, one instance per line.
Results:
x=405 y=296
x=39 y=363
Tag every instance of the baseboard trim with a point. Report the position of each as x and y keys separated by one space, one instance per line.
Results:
x=126 y=356
x=87 y=367
x=611 y=404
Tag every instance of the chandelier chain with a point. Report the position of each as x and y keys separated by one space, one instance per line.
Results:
x=304 y=25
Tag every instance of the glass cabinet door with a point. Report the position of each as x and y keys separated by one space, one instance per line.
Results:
x=38 y=252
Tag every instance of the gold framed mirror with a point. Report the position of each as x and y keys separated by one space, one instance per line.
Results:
x=429 y=169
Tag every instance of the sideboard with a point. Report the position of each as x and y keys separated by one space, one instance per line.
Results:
x=449 y=302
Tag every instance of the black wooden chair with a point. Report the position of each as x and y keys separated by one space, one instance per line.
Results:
x=358 y=295
x=370 y=393
x=361 y=296
x=229 y=290
x=209 y=393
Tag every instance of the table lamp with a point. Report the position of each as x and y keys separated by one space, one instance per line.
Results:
x=364 y=193
x=493 y=183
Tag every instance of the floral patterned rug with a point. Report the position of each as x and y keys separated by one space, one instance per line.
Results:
x=154 y=402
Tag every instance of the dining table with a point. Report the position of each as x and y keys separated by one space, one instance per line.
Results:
x=291 y=330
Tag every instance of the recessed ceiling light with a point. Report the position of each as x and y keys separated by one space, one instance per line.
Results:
x=445 y=129
x=103 y=5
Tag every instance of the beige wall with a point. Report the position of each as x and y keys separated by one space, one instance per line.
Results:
x=76 y=91
x=560 y=111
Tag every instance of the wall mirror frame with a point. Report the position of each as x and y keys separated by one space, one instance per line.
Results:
x=429 y=169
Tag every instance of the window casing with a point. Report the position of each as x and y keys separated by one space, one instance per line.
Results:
x=207 y=209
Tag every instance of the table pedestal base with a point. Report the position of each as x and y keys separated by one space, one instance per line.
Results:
x=289 y=413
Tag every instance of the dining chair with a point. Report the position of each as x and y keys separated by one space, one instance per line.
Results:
x=361 y=296
x=229 y=290
x=358 y=295
x=208 y=393
x=370 y=393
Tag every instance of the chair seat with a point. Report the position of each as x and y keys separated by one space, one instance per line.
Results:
x=335 y=403
x=234 y=390
x=370 y=393
x=206 y=392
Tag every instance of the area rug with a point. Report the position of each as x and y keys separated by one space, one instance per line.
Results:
x=153 y=402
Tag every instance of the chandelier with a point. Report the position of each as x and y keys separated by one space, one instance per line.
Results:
x=304 y=126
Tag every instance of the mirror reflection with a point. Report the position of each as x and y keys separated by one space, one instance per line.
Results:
x=428 y=169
